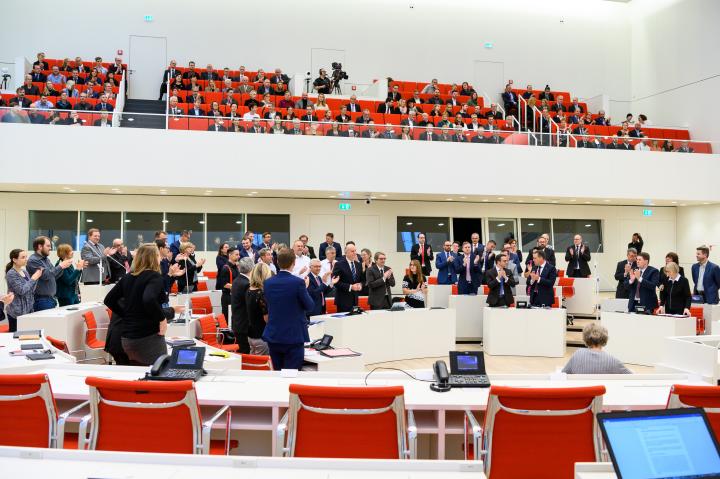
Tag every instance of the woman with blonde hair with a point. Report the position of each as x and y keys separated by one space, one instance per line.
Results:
x=67 y=283
x=321 y=103
x=137 y=298
x=257 y=308
x=186 y=259
x=211 y=86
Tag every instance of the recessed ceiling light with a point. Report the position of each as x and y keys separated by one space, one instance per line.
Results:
x=448 y=199
x=573 y=199
x=554 y=201
x=409 y=223
x=501 y=198
x=201 y=222
x=66 y=187
x=116 y=189
x=674 y=202
x=531 y=224
x=166 y=221
x=383 y=195
x=607 y=201
x=520 y=201
x=536 y=199
x=208 y=191
x=238 y=222
x=588 y=202
x=463 y=197
x=706 y=203
x=128 y=221
x=72 y=191
x=588 y=226
x=441 y=224
x=89 y=220
x=161 y=191
x=253 y=192
x=501 y=224
x=332 y=196
x=485 y=200
x=248 y=194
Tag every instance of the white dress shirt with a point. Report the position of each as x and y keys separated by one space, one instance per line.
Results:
x=325 y=267
x=300 y=263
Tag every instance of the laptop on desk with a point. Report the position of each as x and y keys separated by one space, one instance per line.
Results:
x=667 y=443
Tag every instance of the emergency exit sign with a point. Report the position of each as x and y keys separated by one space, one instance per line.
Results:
x=344 y=206
x=647 y=212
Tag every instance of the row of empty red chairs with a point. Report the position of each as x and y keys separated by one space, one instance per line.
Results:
x=555 y=427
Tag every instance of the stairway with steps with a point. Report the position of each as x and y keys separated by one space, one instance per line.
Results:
x=143 y=121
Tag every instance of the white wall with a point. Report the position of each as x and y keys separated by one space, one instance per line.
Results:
x=675 y=65
x=373 y=226
x=698 y=225
x=588 y=53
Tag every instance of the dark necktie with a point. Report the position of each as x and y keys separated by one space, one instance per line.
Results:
x=352 y=269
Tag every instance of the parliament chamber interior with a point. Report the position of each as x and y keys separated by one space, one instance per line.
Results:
x=275 y=303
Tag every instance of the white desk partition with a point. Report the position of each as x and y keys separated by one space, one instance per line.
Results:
x=92 y=293
x=325 y=364
x=32 y=462
x=392 y=335
x=438 y=295
x=594 y=470
x=614 y=305
x=639 y=338
x=583 y=301
x=67 y=324
x=524 y=332
x=692 y=355
x=469 y=315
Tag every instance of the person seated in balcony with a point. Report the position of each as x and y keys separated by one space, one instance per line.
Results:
x=256 y=127
x=335 y=130
x=436 y=111
x=235 y=126
x=528 y=93
x=81 y=68
x=428 y=134
x=394 y=94
x=193 y=84
x=211 y=87
x=296 y=128
x=405 y=133
x=594 y=142
x=104 y=120
x=83 y=104
x=637 y=131
x=431 y=87
x=253 y=100
x=289 y=114
x=278 y=89
x=56 y=77
x=510 y=100
x=286 y=101
x=389 y=133
x=309 y=115
x=327 y=118
x=624 y=129
x=269 y=112
x=217 y=124
x=49 y=89
x=103 y=105
x=73 y=119
x=563 y=134
x=466 y=89
x=343 y=117
x=229 y=98
x=445 y=134
x=112 y=79
x=655 y=146
x=177 y=82
x=435 y=100
x=587 y=119
x=474 y=124
x=365 y=118
x=613 y=145
x=214 y=109
x=459 y=123
x=685 y=147
x=546 y=94
x=70 y=89
x=266 y=101
x=321 y=103
x=75 y=76
x=29 y=88
x=581 y=130
x=209 y=73
x=574 y=119
x=252 y=114
x=244 y=86
x=558 y=106
x=227 y=85
x=107 y=91
x=279 y=77
x=444 y=120
x=543 y=127
x=459 y=136
x=41 y=61
x=385 y=107
x=195 y=96
x=601 y=120
x=425 y=121
x=494 y=112
x=642 y=145
x=98 y=66
x=196 y=109
x=43 y=103
x=260 y=76
x=592 y=359
x=266 y=87
x=63 y=103
x=37 y=75
x=668 y=146
x=625 y=145
x=575 y=107
x=371 y=132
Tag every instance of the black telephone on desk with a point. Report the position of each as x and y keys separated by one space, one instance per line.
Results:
x=322 y=344
x=184 y=364
x=441 y=377
x=467 y=370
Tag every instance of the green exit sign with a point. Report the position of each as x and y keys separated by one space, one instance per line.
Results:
x=647 y=212
x=344 y=206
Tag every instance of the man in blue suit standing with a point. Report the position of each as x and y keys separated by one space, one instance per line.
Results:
x=468 y=270
x=706 y=276
x=542 y=281
x=329 y=243
x=288 y=303
x=445 y=263
x=642 y=284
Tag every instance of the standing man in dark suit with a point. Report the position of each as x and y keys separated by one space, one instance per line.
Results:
x=487 y=259
x=622 y=271
x=642 y=284
x=317 y=289
x=238 y=305
x=542 y=280
x=445 y=263
x=349 y=271
x=168 y=75
x=225 y=278
x=310 y=251
x=706 y=276
x=500 y=280
x=288 y=303
x=379 y=281
x=542 y=245
x=468 y=270
x=329 y=243
x=578 y=259
x=423 y=253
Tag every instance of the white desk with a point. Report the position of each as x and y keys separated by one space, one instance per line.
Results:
x=469 y=315
x=32 y=462
x=215 y=295
x=393 y=335
x=8 y=344
x=711 y=314
x=583 y=301
x=614 y=305
x=639 y=338
x=326 y=364
x=524 y=332
x=67 y=324
x=191 y=329
x=92 y=293
x=594 y=470
x=438 y=295
x=692 y=355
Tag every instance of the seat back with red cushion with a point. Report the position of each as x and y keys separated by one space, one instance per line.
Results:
x=346 y=422
x=555 y=427
x=58 y=344
x=208 y=329
x=256 y=362
x=91 y=339
x=28 y=413
x=201 y=304
x=706 y=397
x=144 y=416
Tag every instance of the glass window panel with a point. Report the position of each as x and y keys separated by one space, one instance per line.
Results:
x=565 y=230
x=277 y=225
x=107 y=222
x=224 y=228
x=436 y=229
x=175 y=223
x=531 y=229
x=59 y=226
x=499 y=229
x=140 y=228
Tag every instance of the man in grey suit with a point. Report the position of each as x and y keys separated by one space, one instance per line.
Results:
x=379 y=280
x=95 y=255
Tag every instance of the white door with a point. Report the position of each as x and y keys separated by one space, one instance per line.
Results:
x=148 y=60
x=490 y=79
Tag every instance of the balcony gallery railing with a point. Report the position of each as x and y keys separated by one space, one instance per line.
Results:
x=482 y=131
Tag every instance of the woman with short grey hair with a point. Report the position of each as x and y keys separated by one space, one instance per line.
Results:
x=593 y=360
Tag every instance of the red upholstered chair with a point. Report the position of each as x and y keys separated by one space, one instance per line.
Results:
x=4 y=328
x=202 y=286
x=58 y=344
x=561 y=273
x=201 y=304
x=330 y=307
x=525 y=427
x=347 y=422
x=486 y=289
x=28 y=416
x=149 y=416
x=91 y=339
x=363 y=303
x=256 y=362
x=210 y=274
x=698 y=312
x=706 y=397
x=174 y=288
x=432 y=280
x=221 y=321
x=211 y=335
x=454 y=289
x=568 y=288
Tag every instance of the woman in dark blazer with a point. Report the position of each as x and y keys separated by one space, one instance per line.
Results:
x=675 y=296
x=186 y=260
x=67 y=283
x=137 y=298
x=671 y=257
x=365 y=262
